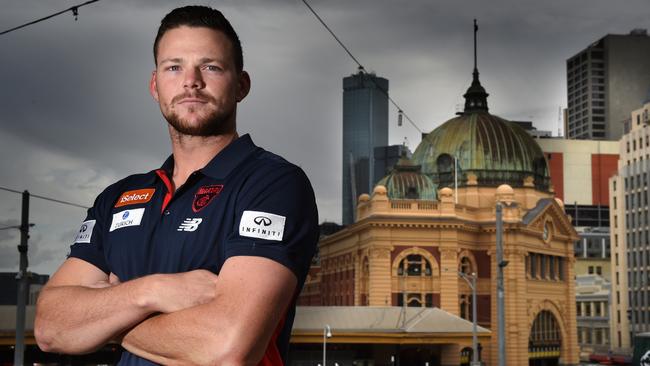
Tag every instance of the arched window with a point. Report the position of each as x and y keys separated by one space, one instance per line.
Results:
x=466 y=307
x=414 y=265
x=445 y=163
x=465 y=266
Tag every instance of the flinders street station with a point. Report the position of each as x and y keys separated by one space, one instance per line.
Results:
x=394 y=288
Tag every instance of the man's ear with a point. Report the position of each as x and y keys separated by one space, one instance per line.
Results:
x=244 y=86
x=153 y=88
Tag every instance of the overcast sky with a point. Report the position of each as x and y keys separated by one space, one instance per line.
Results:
x=76 y=114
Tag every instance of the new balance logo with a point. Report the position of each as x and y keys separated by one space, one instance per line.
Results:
x=189 y=224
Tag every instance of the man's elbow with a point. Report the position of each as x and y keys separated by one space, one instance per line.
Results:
x=50 y=339
x=44 y=338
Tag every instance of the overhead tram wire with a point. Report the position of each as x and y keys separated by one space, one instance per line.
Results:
x=45 y=198
x=73 y=9
x=361 y=67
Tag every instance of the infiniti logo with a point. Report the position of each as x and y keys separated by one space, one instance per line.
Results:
x=262 y=220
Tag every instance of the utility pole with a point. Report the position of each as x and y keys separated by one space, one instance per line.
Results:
x=501 y=320
x=23 y=283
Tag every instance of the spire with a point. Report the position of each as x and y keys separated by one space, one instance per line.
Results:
x=475 y=97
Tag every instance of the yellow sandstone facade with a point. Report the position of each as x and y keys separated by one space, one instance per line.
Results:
x=411 y=251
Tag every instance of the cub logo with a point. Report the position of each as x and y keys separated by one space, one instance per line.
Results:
x=205 y=195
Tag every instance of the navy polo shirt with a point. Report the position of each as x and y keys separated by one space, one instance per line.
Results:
x=245 y=201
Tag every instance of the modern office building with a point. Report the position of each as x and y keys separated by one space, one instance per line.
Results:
x=630 y=233
x=580 y=170
x=365 y=127
x=592 y=252
x=592 y=314
x=385 y=159
x=605 y=81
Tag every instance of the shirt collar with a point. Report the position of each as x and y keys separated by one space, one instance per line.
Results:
x=225 y=161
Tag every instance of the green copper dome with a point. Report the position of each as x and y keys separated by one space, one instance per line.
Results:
x=406 y=181
x=495 y=150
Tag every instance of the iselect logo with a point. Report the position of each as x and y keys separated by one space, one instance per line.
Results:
x=127 y=218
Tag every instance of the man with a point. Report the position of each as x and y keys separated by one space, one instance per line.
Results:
x=200 y=261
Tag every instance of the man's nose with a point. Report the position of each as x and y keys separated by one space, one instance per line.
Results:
x=193 y=79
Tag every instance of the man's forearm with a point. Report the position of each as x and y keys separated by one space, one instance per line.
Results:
x=189 y=337
x=79 y=319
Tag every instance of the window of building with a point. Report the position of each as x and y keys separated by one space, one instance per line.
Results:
x=578 y=308
x=465 y=266
x=590 y=270
x=414 y=265
x=587 y=309
x=599 y=270
x=580 y=335
x=533 y=265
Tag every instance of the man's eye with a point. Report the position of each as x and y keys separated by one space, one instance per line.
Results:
x=212 y=68
x=174 y=68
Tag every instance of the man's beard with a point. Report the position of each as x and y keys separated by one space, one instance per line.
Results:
x=218 y=122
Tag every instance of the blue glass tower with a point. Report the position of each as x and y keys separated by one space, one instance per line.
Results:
x=365 y=127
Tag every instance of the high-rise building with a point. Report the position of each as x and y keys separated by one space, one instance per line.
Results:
x=365 y=127
x=605 y=82
x=630 y=233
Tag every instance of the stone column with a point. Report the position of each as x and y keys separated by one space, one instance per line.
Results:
x=379 y=287
x=449 y=280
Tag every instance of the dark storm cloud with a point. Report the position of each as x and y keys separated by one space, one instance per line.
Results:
x=76 y=113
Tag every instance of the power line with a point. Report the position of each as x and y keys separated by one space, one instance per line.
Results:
x=361 y=67
x=46 y=198
x=73 y=9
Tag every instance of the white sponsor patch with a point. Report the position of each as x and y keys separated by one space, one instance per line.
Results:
x=189 y=224
x=263 y=225
x=85 y=232
x=127 y=218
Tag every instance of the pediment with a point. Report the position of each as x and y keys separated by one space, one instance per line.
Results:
x=549 y=218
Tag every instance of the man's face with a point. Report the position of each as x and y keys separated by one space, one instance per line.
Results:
x=196 y=81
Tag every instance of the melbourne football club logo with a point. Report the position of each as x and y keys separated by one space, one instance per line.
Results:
x=204 y=196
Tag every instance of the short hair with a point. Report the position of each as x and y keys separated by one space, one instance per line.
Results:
x=200 y=16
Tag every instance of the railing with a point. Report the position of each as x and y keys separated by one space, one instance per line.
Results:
x=413 y=205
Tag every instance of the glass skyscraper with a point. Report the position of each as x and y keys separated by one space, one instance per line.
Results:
x=365 y=126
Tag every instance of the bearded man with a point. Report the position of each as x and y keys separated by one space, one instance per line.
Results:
x=201 y=260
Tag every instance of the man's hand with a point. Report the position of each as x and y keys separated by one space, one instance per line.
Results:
x=251 y=297
x=81 y=308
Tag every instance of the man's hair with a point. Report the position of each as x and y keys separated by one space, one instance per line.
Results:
x=200 y=16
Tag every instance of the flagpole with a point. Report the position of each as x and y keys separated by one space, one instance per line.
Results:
x=456 y=179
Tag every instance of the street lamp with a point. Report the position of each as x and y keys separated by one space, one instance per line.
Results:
x=472 y=285
x=327 y=333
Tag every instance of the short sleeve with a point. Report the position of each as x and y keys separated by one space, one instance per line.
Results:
x=276 y=218
x=89 y=242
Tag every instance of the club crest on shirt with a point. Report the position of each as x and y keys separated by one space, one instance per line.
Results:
x=205 y=195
